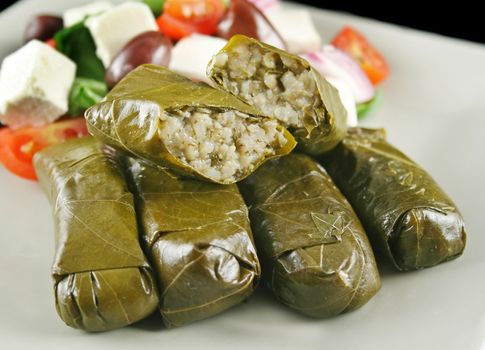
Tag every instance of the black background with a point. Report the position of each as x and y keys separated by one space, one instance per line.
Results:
x=461 y=19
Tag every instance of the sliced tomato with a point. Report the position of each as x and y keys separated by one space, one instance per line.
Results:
x=358 y=47
x=51 y=42
x=174 y=28
x=181 y=18
x=17 y=147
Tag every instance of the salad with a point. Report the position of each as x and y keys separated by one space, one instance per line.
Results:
x=70 y=62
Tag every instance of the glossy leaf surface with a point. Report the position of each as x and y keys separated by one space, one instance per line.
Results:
x=129 y=118
x=101 y=278
x=316 y=257
x=198 y=238
x=317 y=135
x=406 y=214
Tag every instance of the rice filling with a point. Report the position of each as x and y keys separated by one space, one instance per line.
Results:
x=279 y=86
x=219 y=144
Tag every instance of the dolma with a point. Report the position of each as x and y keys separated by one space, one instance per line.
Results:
x=283 y=86
x=102 y=279
x=198 y=238
x=191 y=127
x=406 y=214
x=314 y=252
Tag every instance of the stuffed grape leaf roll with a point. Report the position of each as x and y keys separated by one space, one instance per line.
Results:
x=198 y=238
x=282 y=86
x=406 y=214
x=315 y=255
x=196 y=130
x=101 y=278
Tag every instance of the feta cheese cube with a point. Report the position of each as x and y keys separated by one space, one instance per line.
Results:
x=191 y=55
x=112 y=29
x=77 y=14
x=34 y=85
x=296 y=28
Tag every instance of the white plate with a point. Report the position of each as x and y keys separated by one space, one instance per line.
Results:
x=434 y=110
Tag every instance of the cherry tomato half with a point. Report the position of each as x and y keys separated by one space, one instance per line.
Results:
x=17 y=147
x=181 y=18
x=358 y=47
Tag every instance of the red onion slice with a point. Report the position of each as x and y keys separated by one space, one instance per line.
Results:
x=334 y=63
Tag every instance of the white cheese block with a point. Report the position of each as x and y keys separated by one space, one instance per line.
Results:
x=77 y=14
x=347 y=98
x=34 y=85
x=112 y=29
x=296 y=28
x=191 y=55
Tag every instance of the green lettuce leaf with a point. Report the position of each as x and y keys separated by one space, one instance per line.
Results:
x=85 y=93
x=365 y=108
x=76 y=43
x=156 y=6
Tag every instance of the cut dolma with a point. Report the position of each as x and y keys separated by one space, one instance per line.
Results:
x=283 y=86
x=101 y=277
x=406 y=214
x=198 y=239
x=169 y=120
x=315 y=255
